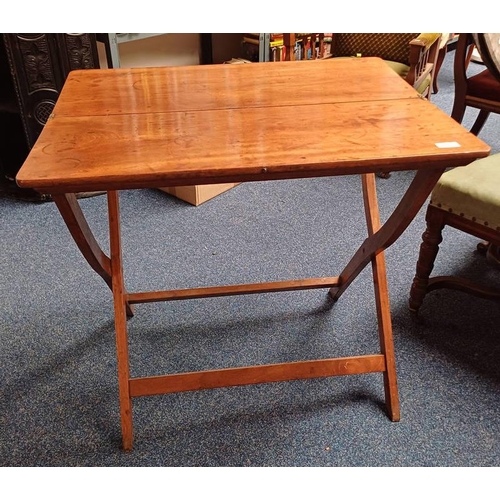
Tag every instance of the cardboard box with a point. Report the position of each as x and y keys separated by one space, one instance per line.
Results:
x=198 y=194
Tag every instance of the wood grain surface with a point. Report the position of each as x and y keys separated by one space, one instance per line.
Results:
x=155 y=127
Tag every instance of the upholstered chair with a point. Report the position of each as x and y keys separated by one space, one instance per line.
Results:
x=481 y=90
x=467 y=199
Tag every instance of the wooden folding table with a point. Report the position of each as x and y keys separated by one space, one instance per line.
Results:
x=153 y=127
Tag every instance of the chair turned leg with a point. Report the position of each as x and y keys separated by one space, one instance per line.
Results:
x=480 y=121
x=428 y=251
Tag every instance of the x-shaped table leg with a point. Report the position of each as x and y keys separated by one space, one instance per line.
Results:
x=379 y=238
x=75 y=220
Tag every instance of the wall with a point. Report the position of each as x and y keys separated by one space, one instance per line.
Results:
x=173 y=49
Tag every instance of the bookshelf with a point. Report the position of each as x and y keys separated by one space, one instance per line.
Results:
x=264 y=47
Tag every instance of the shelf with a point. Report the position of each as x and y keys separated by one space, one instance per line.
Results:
x=130 y=37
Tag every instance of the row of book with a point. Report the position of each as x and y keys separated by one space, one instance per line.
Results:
x=302 y=48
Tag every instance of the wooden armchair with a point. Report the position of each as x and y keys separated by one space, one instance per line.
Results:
x=480 y=91
x=443 y=50
x=467 y=199
x=412 y=55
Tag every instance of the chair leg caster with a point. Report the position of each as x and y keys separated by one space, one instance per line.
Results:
x=493 y=255
x=482 y=247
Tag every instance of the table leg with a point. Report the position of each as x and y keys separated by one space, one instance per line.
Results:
x=119 y=295
x=382 y=300
x=75 y=220
x=411 y=202
x=380 y=238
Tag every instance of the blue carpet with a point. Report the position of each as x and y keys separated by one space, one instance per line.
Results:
x=59 y=394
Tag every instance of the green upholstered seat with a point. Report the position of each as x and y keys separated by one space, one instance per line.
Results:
x=467 y=199
x=472 y=192
x=403 y=69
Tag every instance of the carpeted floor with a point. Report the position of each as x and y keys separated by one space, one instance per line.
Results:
x=59 y=396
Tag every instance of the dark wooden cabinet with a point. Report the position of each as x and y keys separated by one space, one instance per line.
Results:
x=33 y=69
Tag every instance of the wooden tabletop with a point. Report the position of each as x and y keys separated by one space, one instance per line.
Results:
x=152 y=127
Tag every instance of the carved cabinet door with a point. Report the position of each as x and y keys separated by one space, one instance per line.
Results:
x=40 y=63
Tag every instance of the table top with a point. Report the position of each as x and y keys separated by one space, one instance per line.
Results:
x=154 y=127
